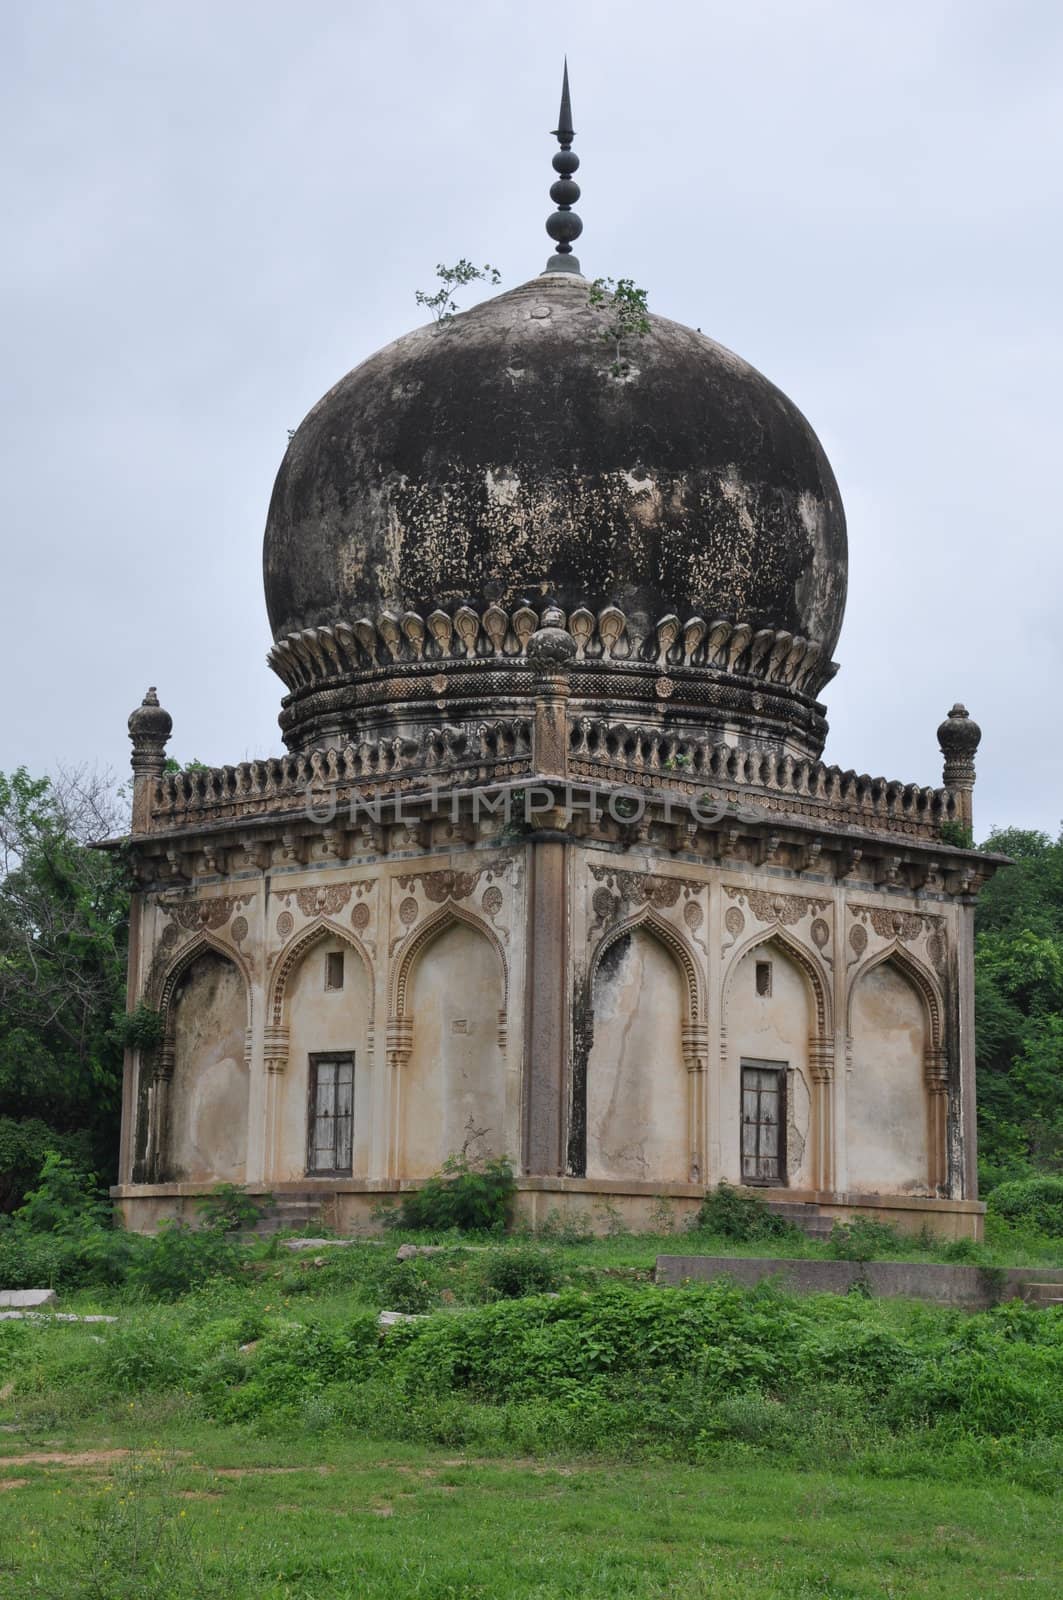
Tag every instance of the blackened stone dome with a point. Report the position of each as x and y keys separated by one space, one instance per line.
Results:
x=498 y=458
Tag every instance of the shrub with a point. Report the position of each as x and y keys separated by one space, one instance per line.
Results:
x=179 y=1258
x=401 y=1287
x=733 y=1215
x=863 y=1239
x=63 y=1199
x=1036 y=1202
x=230 y=1209
x=24 y=1144
x=515 y=1273
x=469 y=1195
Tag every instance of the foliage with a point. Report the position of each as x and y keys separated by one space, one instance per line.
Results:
x=862 y=1239
x=523 y=1271
x=734 y=1214
x=1019 y=1010
x=1035 y=1201
x=179 y=1258
x=63 y=930
x=64 y=1199
x=467 y=1194
x=24 y=1143
x=402 y=1286
x=625 y=306
x=956 y=834
x=139 y=1029
x=442 y=303
x=229 y=1208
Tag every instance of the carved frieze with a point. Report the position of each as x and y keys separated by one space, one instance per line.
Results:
x=208 y=914
x=909 y=927
x=771 y=906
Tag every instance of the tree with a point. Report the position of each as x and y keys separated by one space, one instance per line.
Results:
x=1019 y=1009
x=64 y=910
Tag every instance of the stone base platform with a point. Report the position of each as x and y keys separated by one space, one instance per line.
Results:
x=354 y=1205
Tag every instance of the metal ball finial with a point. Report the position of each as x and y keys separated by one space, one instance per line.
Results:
x=564 y=225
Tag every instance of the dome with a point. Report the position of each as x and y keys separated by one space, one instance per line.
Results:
x=508 y=459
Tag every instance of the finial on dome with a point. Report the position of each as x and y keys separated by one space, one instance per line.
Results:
x=564 y=225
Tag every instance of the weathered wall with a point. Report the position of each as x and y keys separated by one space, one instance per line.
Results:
x=637 y=1121
x=323 y=1019
x=207 y=1111
x=455 y=1082
x=886 y=1097
x=772 y=1028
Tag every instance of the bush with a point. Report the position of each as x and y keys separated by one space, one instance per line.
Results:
x=467 y=1195
x=863 y=1239
x=64 y=1199
x=229 y=1208
x=1035 y=1202
x=731 y=1214
x=401 y=1287
x=24 y=1144
x=515 y=1273
x=180 y=1258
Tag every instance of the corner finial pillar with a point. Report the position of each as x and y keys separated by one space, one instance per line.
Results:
x=149 y=729
x=959 y=737
x=550 y=653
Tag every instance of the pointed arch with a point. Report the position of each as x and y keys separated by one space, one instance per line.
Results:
x=673 y=942
x=814 y=973
x=921 y=979
x=294 y=952
x=180 y=965
x=446 y=917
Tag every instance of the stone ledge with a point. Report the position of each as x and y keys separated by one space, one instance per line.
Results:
x=971 y=1288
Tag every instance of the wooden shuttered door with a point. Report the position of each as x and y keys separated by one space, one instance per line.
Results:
x=764 y=1122
x=331 y=1115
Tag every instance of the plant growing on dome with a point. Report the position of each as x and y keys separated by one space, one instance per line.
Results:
x=626 y=307
x=442 y=304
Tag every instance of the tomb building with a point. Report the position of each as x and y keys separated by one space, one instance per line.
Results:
x=552 y=868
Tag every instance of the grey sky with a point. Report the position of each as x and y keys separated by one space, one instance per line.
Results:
x=212 y=211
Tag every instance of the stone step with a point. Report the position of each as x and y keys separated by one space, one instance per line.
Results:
x=289 y=1211
x=803 y=1215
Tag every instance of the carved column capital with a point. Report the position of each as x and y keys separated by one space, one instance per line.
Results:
x=399 y=1040
x=275 y=1048
x=695 y=1046
x=936 y=1066
x=821 y=1059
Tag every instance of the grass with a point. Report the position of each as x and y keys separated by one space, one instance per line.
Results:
x=258 y=1437
x=221 y=1515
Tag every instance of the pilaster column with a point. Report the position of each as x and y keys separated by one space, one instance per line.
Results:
x=695 y=1058
x=937 y=1085
x=821 y=1070
x=275 y=1046
x=399 y=1047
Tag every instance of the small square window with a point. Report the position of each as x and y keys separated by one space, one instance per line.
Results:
x=763 y=977
x=334 y=969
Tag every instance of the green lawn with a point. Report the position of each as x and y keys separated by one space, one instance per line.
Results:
x=216 y=1514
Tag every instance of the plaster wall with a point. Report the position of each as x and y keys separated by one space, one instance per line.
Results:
x=208 y=1092
x=454 y=1087
x=321 y=1020
x=773 y=1028
x=637 y=1120
x=886 y=1100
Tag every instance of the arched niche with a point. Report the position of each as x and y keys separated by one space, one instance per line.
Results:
x=453 y=1087
x=206 y=1069
x=775 y=1009
x=889 y=1135
x=637 y=1080
x=322 y=999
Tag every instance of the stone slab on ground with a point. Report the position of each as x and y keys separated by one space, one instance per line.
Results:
x=971 y=1288
x=51 y=1316
x=24 y=1298
x=316 y=1244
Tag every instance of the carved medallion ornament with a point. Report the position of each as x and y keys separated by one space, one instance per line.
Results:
x=285 y=924
x=408 y=911
x=491 y=900
x=858 y=940
x=784 y=908
x=734 y=921
x=693 y=915
x=211 y=914
x=360 y=917
x=239 y=928
x=907 y=926
x=820 y=933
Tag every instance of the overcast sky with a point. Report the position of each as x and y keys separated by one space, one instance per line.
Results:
x=212 y=211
